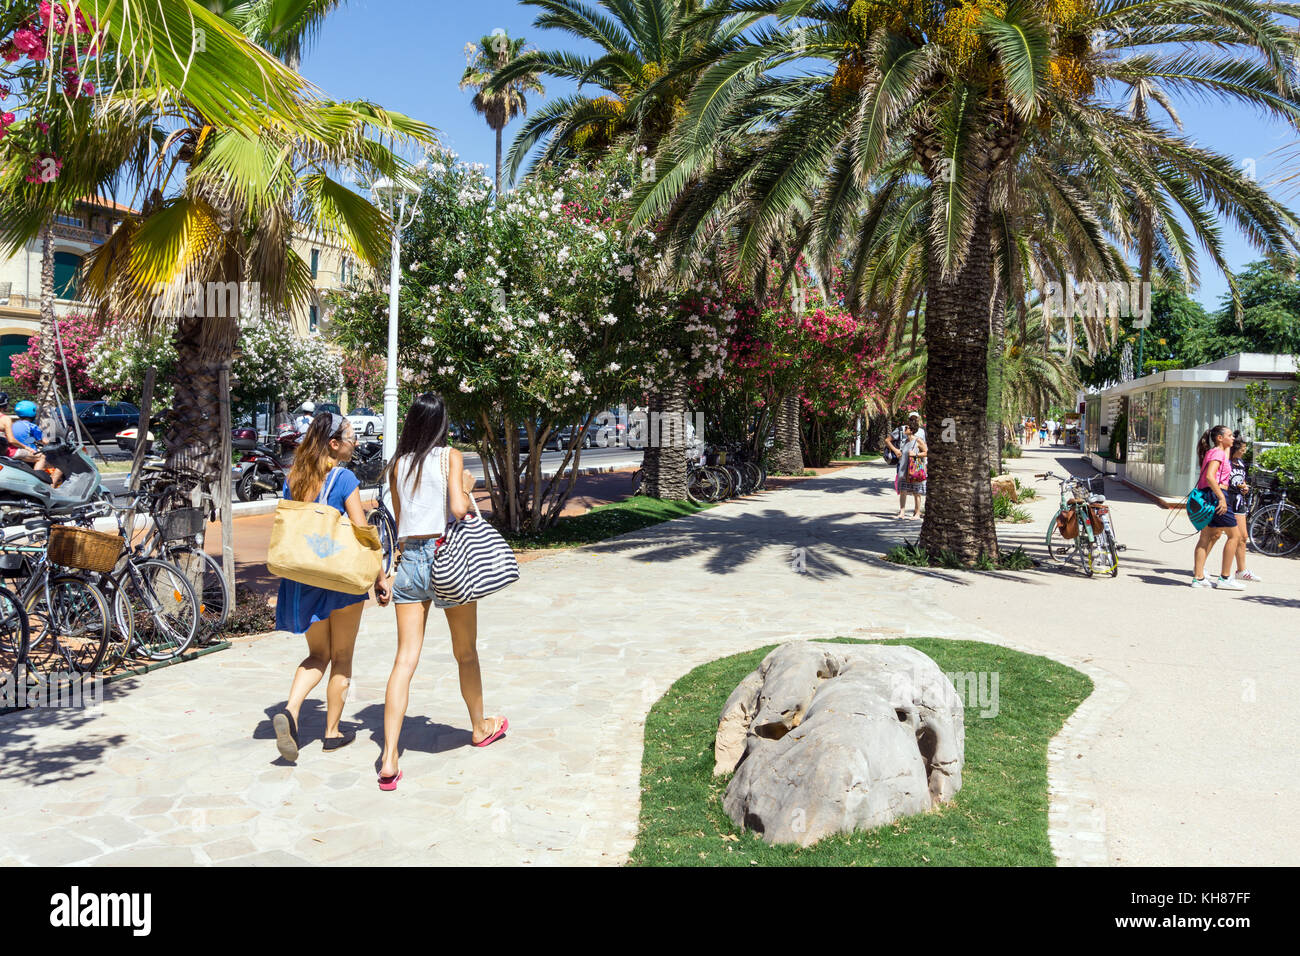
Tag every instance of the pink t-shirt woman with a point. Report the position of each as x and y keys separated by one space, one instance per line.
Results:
x=1225 y=467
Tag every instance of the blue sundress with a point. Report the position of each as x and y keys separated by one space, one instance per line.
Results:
x=299 y=606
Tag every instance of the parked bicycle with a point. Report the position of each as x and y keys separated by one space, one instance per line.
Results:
x=1272 y=523
x=1082 y=521
x=69 y=620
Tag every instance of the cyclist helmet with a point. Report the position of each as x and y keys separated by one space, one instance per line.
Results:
x=4 y=399
x=25 y=409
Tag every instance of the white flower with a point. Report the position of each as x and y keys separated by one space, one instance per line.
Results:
x=460 y=275
x=465 y=386
x=626 y=272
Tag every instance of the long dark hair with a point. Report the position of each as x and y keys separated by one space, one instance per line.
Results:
x=1209 y=438
x=424 y=429
x=314 y=458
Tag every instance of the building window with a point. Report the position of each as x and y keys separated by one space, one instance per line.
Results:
x=66 y=265
x=70 y=221
x=10 y=345
x=312 y=317
x=343 y=270
x=315 y=262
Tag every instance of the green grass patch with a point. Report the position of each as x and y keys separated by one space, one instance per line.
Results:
x=1004 y=509
x=113 y=467
x=866 y=456
x=806 y=473
x=999 y=817
x=604 y=521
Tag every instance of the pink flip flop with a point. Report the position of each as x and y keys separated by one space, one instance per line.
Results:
x=505 y=725
x=389 y=783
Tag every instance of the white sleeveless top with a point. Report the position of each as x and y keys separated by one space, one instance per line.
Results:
x=423 y=507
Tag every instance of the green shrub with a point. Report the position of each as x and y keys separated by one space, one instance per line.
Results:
x=912 y=555
x=1012 y=451
x=1015 y=560
x=252 y=613
x=1025 y=492
x=1285 y=461
x=17 y=392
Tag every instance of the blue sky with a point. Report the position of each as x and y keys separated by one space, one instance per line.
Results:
x=408 y=55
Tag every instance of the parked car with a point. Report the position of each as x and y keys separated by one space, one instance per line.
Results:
x=366 y=421
x=103 y=420
x=562 y=436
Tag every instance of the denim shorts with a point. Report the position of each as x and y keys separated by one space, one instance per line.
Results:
x=414 y=580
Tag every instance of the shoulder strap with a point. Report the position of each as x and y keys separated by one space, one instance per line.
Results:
x=328 y=486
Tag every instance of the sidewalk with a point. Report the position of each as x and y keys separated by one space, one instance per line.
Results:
x=1181 y=757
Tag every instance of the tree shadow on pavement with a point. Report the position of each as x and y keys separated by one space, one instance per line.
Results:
x=1272 y=601
x=27 y=755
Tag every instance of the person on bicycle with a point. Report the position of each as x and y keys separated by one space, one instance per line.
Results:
x=328 y=619
x=423 y=503
x=1212 y=450
x=1239 y=499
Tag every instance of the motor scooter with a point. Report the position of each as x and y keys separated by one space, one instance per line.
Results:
x=259 y=472
x=25 y=492
x=367 y=463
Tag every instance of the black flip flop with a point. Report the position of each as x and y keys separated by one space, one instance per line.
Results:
x=334 y=743
x=286 y=735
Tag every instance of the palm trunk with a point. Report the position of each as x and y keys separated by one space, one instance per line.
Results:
x=47 y=383
x=997 y=337
x=499 y=160
x=665 y=455
x=959 y=514
x=787 y=453
x=194 y=437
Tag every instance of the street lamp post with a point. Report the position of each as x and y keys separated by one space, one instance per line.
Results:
x=399 y=200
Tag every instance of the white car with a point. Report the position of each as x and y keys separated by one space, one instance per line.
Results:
x=366 y=421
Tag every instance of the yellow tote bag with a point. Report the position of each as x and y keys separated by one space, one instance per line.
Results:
x=312 y=543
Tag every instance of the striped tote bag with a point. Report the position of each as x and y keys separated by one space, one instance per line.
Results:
x=471 y=560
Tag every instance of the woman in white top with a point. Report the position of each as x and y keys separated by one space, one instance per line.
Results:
x=423 y=504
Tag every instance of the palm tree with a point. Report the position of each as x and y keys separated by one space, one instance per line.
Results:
x=640 y=42
x=284 y=28
x=959 y=90
x=505 y=101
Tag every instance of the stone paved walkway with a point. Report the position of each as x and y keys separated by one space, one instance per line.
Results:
x=1164 y=764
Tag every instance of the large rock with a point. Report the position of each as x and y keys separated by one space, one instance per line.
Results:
x=830 y=738
x=1005 y=485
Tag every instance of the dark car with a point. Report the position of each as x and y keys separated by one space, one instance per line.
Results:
x=103 y=420
x=562 y=436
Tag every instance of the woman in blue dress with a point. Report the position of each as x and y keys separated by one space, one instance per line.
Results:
x=328 y=619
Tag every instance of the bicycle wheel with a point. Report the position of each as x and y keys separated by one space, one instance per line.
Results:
x=74 y=621
x=701 y=487
x=737 y=479
x=204 y=572
x=1105 y=558
x=15 y=635
x=123 y=634
x=382 y=522
x=1275 y=529
x=1058 y=547
x=638 y=479
x=753 y=479
x=725 y=488
x=166 y=608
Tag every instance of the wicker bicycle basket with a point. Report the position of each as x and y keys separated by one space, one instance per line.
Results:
x=181 y=524
x=83 y=548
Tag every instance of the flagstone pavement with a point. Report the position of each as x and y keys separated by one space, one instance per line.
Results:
x=1179 y=756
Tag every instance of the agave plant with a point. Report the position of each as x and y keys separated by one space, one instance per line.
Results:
x=961 y=91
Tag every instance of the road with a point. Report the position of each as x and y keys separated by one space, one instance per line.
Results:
x=551 y=460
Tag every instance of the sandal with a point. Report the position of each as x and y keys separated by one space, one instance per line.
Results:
x=497 y=735
x=286 y=735
x=389 y=783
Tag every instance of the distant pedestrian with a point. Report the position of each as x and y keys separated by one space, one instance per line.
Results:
x=328 y=619
x=424 y=501
x=911 y=452
x=1215 y=472
x=1239 y=500
x=1042 y=433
